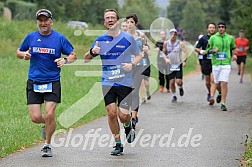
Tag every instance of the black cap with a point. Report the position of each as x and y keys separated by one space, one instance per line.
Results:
x=44 y=12
x=222 y=23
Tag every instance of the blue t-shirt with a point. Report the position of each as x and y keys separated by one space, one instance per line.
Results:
x=115 y=51
x=44 y=50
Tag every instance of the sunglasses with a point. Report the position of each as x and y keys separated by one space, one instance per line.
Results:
x=221 y=26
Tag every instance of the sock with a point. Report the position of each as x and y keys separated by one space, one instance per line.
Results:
x=174 y=93
x=126 y=124
x=47 y=145
x=118 y=141
x=223 y=103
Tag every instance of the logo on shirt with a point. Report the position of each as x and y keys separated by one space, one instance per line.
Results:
x=120 y=46
x=39 y=40
x=43 y=50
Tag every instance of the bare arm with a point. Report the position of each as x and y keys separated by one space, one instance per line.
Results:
x=23 y=54
x=92 y=52
x=164 y=51
x=67 y=60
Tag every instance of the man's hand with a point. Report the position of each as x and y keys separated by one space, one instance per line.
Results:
x=60 y=62
x=127 y=66
x=96 y=49
x=234 y=58
x=27 y=54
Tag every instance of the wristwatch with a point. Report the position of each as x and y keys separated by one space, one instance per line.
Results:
x=66 y=61
x=133 y=65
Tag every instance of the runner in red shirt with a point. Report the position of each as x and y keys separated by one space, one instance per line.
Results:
x=242 y=45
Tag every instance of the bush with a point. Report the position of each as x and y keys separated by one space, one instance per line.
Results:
x=22 y=10
x=1 y=8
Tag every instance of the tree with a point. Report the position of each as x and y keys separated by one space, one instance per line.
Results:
x=146 y=11
x=174 y=11
x=241 y=17
x=193 y=22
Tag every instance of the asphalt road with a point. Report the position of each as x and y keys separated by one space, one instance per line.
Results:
x=189 y=133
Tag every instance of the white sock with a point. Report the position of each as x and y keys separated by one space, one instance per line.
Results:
x=47 y=145
x=174 y=93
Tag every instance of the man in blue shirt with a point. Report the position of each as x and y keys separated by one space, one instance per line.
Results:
x=44 y=48
x=115 y=49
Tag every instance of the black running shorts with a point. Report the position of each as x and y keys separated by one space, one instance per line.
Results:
x=241 y=59
x=206 y=67
x=120 y=94
x=177 y=74
x=39 y=98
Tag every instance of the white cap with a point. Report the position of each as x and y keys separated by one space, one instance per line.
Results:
x=173 y=30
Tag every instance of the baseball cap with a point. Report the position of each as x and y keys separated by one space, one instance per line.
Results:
x=173 y=30
x=44 y=12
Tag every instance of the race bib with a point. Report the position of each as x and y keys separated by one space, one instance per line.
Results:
x=174 y=67
x=209 y=56
x=42 y=88
x=200 y=56
x=160 y=54
x=144 y=60
x=115 y=72
x=221 y=55
x=241 y=49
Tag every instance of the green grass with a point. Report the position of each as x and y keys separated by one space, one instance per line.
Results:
x=17 y=130
x=248 y=152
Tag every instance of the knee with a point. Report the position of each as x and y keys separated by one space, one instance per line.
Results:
x=112 y=114
x=35 y=119
x=49 y=116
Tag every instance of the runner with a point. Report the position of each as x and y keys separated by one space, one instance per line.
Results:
x=145 y=86
x=132 y=21
x=44 y=48
x=242 y=46
x=115 y=49
x=206 y=65
x=220 y=45
x=173 y=49
x=162 y=66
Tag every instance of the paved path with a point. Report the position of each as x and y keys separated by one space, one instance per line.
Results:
x=189 y=133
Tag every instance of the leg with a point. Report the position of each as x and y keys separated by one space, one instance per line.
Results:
x=208 y=82
x=242 y=67
x=161 y=80
x=172 y=85
x=50 y=123
x=167 y=82
x=224 y=91
x=112 y=120
x=35 y=113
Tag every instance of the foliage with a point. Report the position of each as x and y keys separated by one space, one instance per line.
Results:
x=241 y=19
x=21 y=10
x=146 y=11
x=174 y=11
x=188 y=22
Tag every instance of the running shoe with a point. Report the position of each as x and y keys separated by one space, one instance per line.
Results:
x=43 y=132
x=208 y=96
x=161 y=89
x=134 y=123
x=181 y=91
x=211 y=101
x=218 y=98
x=130 y=133
x=223 y=107
x=46 y=151
x=174 y=99
x=118 y=149
x=148 y=95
